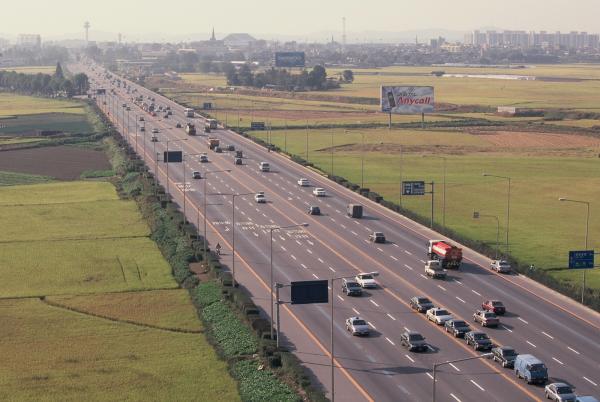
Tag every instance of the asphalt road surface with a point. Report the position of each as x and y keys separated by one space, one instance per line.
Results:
x=557 y=330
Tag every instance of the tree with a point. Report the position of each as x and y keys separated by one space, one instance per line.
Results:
x=81 y=83
x=58 y=73
x=245 y=75
x=68 y=87
x=348 y=75
x=317 y=77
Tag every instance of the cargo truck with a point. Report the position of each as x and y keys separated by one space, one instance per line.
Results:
x=212 y=123
x=190 y=129
x=449 y=255
x=354 y=210
x=213 y=143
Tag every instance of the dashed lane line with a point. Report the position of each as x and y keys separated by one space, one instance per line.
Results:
x=454 y=367
x=531 y=344
x=477 y=385
x=476 y=292
x=409 y=358
x=340 y=297
x=460 y=299
x=455 y=398
x=390 y=341
x=391 y=316
x=316 y=277
x=548 y=335
x=558 y=361
x=573 y=350
x=393 y=258
x=356 y=311
x=372 y=301
x=522 y=320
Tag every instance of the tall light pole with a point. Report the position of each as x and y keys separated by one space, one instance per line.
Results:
x=443 y=186
x=205 y=197
x=436 y=365
x=477 y=215
x=167 y=162
x=587 y=231
x=331 y=350
x=507 y=205
x=271 y=262
x=362 y=162
x=332 y=151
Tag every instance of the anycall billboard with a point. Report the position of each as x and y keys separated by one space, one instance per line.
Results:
x=406 y=100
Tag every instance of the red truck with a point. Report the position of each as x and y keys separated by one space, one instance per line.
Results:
x=449 y=255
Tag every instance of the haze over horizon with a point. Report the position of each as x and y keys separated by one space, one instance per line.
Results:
x=188 y=18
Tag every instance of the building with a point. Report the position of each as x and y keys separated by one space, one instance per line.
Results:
x=543 y=39
x=4 y=44
x=29 y=41
x=238 y=40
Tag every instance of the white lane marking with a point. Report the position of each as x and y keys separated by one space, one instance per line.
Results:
x=328 y=206
x=457 y=281
x=395 y=245
x=455 y=398
x=409 y=358
x=316 y=277
x=297 y=241
x=321 y=261
x=531 y=344
x=368 y=229
x=460 y=299
x=340 y=297
x=282 y=238
x=309 y=252
x=430 y=376
x=333 y=220
x=572 y=350
x=270 y=220
x=506 y=328
x=310 y=242
x=369 y=322
x=422 y=261
x=590 y=381
x=423 y=276
x=406 y=329
x=354 y=233
x=407 y=252
x=408 y=266
x=393 y=258
x=366 y=241
x=477 y=385
x=378 y=248
x=558 y=361
x=243 y=213
x=303 y=266
x=454 y=367
x=332 y=270
x=548 y=335
x=520 y=319
x=292 y=255
x=338 y=211
x=342 y=225
x=283 y=248
x=356 y=311
x=376 y=305
x=390 y=341
x=441 y=287
x=358 y=223
x=264 y=215
x=255 y=234
x=477 y=293
x=391 y=316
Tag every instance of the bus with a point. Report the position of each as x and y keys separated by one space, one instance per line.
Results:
x=189 y=112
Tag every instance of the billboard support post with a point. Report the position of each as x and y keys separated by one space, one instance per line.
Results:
x=422 y=121
x=432 y=192
x=390 y=121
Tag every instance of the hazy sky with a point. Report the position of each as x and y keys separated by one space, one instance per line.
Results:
x=134 y=17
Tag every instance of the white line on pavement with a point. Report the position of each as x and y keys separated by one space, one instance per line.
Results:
x=460 y=299
x=422 y=261
x=477 y=293
x=407 y=252
x=423 y=276
x=558 y=361
x=292 y=255
x=441 y=287
x=390 y=341
x=338 y=211
x=297 y=241
x=506 y=328
x=340 y=297
x=309 y=252
x=316 y=277
x=531 y=344
x=369 y=322
x=354 y=233
x=378 y=248
x=321 y=261
x=356 y=311
x=310 y=242
x=455 y=398
x=409 y=358
x=391 y=316
x=283 y=248
x=454 y=367
x=430 y=376
x=477 y=385
x=548 y=335
x=376 y=305
x=332 y=270
x=520 y=319
x=342 y=226
x=393 y=258
x=572 y=350
x=590 y=381
x=457 y=281
x=303 y=266
x=408 y=266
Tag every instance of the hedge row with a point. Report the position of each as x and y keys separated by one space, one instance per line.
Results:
x=592 y=296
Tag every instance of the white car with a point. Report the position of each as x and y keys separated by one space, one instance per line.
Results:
x=319 y=192
x=303 y=183
x=357 y=326
x=366 y=281
x=438 y=315
x=155 y=131
x=500 y=266
x=203 y=158
x=260 y=198
x=559 y=392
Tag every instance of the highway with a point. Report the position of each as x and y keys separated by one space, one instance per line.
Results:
x=563 y=334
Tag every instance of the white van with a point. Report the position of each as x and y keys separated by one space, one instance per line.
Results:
x=264 y=167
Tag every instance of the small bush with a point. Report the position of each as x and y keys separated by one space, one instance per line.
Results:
x=261 y=385
x=232 y=336
x=206 y=294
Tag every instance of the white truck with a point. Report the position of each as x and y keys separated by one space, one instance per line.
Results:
x=434 y=269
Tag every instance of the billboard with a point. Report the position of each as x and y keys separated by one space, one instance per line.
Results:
x=406 y=100
x=308 y=292
x=289 y=59
x=413 y=188
x=172 y=156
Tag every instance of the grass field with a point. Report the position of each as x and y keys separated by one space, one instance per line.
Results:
x=32 y=69
x=18 y=105
x=114 y=346
x=12 y=179
x=542 y=230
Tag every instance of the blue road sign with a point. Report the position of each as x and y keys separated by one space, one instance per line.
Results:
x=413 y=188
x=308 y=292
x=583 y=259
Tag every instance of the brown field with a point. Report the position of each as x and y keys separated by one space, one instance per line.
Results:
x=62 y=162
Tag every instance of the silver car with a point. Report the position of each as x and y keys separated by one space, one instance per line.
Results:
x=559 y=391
x=357 y=326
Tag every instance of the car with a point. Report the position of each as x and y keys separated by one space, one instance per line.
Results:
x=178 y=125
x=196 y=174
x=357 y=326
x=495 y=306
x=505 y=355
x=203 y=158
x=581 y=398
x=141 y=118
x=486 y=318
x=142 y=129
x=377 y=237
x=238 y=161
x=479 y=340
x=458 y=328
x=313 y=210
x=154 y=138
x=153 y=114
x=165 y=116
x=559 y=391
x=532 y=369
x=366 y=281
x=421 y=304
x=239 y=154
x=303 y=182
x=170 y=113
x=155 y=131
x=351 y=287
x=501 y=266
x=319 y=192
x=128 y=109
x=260 y=198
x=218 y=150
x=413 y=341
x=438 y=315
x=231 y=147
x=264 y=167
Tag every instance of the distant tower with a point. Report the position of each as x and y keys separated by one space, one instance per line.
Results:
x=416 y=40
x=343 y=34
x=212 y=37
x=120 y=38
x=86 y=26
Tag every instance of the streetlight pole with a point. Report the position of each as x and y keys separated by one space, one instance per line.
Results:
x=332 y=152
x=271 y=262
x=507 y=205
x=362 y=162
x=587 y=231
x=477 y=215
x=167 y=159
x=436 y=365
x=205 y=197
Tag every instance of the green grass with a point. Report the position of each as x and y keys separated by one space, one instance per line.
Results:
x=53 y=354
x=92 y=174
x=57 y=193
x=68 y=123
x=13 y=179
x=542 y=229
x=32 y=69
x=16 y=105
x=260 y=385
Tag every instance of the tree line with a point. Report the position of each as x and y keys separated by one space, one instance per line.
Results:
x=45 y=84
x=315 y=79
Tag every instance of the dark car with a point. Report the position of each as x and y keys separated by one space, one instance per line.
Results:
x=421 y=304
x=238 y=161
x=479 y=340
x=505 y=355
x=178 y=125
x=230 y=147
x=414 y=341
x=377 y=237
x=314 y=210
x=458 y=328
x=239 y=154
x=351 y=288
x=495 y=306
x=218 y=150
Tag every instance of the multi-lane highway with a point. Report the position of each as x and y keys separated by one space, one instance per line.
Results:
x=560 y=332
